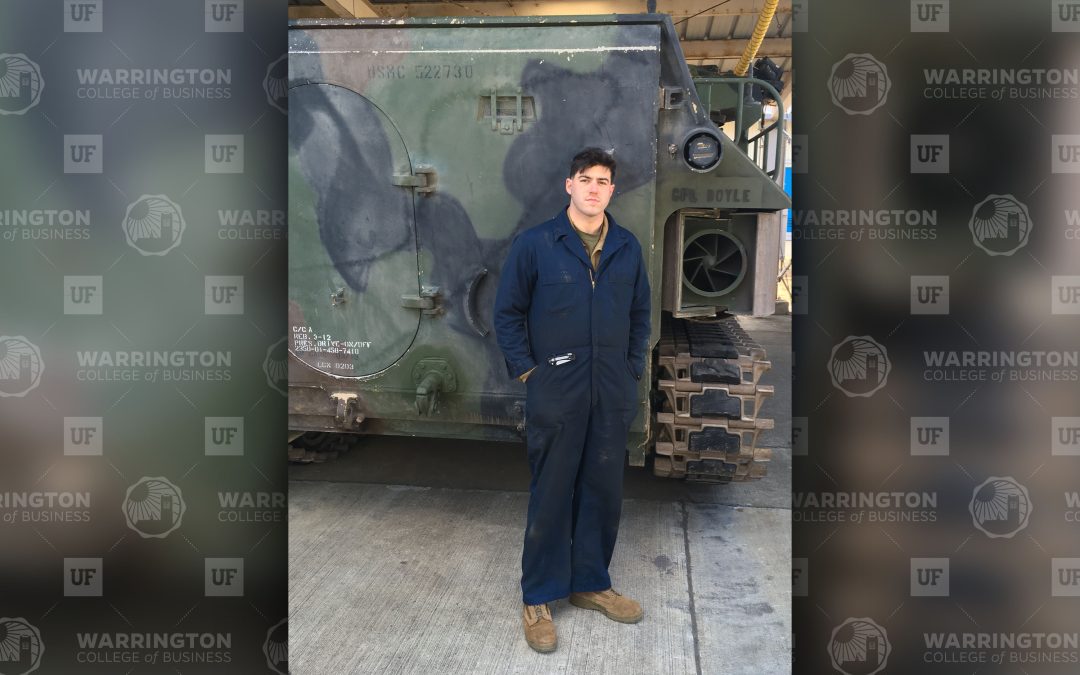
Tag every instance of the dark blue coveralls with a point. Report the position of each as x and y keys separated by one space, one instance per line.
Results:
x=577 y=412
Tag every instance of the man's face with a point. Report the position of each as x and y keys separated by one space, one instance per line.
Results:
x=591 y=190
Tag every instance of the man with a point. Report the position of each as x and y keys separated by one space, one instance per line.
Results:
x=572 y=321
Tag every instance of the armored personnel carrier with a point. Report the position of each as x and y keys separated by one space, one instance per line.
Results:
x=419 y=148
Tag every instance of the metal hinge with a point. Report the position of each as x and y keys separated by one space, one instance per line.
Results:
x=422 y=180
x=428 y=301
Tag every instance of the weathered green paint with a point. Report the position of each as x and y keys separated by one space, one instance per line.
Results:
x=373 y=99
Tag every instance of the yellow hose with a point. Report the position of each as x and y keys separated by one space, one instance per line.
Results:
x=763 y=21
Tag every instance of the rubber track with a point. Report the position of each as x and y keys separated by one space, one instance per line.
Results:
x=708 y=376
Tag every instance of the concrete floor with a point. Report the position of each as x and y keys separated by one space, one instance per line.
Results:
x=404 y=557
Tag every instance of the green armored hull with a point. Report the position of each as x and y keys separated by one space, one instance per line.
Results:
x=420 y=148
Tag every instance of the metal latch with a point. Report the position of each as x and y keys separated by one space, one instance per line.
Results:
x=346 y=413
x=423 y=179
x=428 y=301
x=432 y=376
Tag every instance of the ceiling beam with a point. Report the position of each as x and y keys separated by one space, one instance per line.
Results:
x=311 y=12
x=678 y=9
x=733 y=49
x=353 y=9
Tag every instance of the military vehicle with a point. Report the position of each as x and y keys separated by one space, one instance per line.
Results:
x=419 y=148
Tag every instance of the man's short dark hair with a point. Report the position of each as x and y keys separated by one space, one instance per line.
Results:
x=590 y=157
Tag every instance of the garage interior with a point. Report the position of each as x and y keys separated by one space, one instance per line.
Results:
x=405 y=558
x=712 y=35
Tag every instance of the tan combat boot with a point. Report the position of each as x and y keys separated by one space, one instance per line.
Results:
x=613 y=605
x=539 y=627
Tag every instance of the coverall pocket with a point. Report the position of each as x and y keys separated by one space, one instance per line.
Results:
x=559 y=295
x=622 y=286
x=539 y=436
